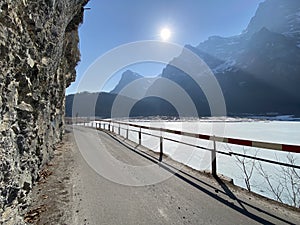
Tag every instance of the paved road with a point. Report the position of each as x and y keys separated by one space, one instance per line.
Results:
x=183 y=198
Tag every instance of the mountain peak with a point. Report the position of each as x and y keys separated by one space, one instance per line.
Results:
x=130 y=74
x=127 y=77
x=284 y=18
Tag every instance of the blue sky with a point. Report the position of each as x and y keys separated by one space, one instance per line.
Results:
x=111 y=23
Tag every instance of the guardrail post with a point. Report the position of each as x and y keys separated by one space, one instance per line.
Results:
x=127 y=133
x=214 y=159
x=161 y=139
x=119 y=129
x=109 y=127
x=140 y=137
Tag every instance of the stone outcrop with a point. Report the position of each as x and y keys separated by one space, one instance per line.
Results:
x=38 y=56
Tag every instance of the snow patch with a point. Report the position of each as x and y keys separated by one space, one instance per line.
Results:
x=225 y=67
x=233 y=43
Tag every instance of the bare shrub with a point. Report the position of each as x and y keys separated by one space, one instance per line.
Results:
x=247 y=167
x=284 y=185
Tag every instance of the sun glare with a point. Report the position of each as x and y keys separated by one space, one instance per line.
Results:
x=165 y=34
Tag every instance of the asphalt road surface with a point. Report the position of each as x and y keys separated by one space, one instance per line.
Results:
x=113 y=195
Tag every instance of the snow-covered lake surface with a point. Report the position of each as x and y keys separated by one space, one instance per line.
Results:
x=283 y=132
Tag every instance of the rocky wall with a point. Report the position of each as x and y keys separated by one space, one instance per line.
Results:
x=38 y=56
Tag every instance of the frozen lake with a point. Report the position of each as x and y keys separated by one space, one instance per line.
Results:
x=283 y=132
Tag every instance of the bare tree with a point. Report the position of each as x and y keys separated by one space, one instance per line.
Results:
x=291 y=181
x=271 y=180
x=247 y=166
x=285 y=184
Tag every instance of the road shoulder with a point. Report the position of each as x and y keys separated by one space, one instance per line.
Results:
x=52 y=195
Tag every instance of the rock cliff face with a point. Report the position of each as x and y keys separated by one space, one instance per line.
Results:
x=38 y=55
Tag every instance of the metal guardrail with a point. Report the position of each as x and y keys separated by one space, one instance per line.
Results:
x=109 y=125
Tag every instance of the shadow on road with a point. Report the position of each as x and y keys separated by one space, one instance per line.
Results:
x=204 y=187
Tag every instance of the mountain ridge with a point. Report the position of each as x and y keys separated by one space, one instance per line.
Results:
x=258 y=70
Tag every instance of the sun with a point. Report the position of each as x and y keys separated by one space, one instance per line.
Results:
x=165 y=34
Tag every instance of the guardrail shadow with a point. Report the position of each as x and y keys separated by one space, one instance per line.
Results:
x=204 y=186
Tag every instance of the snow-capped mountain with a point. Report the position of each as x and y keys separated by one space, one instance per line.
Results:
x=259 y=70
x=276 y=16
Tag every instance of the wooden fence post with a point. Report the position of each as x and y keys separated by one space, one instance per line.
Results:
x=214 y=159
x=161 y=139
x=140 y=137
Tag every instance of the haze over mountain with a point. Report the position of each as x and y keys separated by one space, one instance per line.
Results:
x=258 y=70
